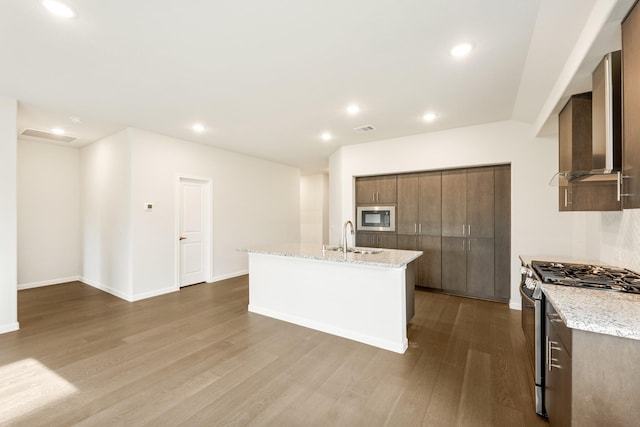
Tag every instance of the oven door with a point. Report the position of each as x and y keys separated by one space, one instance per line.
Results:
x=533 y=328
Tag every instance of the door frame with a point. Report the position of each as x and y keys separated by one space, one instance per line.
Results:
x=208 y=225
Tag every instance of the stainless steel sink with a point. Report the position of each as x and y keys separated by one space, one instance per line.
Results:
x=355 y=250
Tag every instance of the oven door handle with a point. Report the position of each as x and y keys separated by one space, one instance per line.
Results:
x=527 y=297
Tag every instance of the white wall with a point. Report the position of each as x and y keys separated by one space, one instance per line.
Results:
x=48 y=214
x=8 y=216
x=255 y=202
x=314 y=208
x=105 y=194
x=621 y=238
x=536 y=225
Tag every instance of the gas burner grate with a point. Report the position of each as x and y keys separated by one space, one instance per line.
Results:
x=588 y=276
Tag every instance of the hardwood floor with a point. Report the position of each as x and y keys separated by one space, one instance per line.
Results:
x=197 y=357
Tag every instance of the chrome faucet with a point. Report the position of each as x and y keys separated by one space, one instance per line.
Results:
x=344 y=236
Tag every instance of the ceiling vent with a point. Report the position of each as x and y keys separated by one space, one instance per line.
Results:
x=47 y=135
x=365 y=128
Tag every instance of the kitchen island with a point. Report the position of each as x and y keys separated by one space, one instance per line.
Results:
x=366 y=297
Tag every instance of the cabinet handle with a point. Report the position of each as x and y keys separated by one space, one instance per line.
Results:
x=469 y=230
x=469 y=245
x=415 y=228
x=565 y=197
x=550 y=359
x=620 y=178
x=420 y=228
x=463 y=229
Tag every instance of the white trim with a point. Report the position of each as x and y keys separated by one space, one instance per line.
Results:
x=107 y=289
x=9 y=327
x=229 y=276
x=48 y=282
x=208 y=182
x=155 y=293
x=515 y=305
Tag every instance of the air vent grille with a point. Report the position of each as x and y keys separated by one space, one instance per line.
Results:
x=365 y=128
x=47 y=135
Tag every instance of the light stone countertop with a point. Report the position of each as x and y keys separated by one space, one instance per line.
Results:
x=389 y=258
x=604 y=312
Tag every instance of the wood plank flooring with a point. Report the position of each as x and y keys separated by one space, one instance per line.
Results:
x=198 y=358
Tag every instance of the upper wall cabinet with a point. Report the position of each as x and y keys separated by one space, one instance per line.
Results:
x=419 y=204
x=376 y=190
x=576 y=158
x=631 y=109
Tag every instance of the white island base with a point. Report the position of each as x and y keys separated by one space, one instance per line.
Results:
x=355 y=300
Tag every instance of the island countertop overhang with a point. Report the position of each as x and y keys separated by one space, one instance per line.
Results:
x=388 y=258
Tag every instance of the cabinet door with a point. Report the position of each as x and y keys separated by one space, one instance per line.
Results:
x=480 y=267
x=386 y=188
x=502 y=196
x=454 y=203
x=480 y=202
x=388 y=241
x=631 y=109
x=430 y=204
x=557 y=379
x=430 y=263
x=366 y=190
x=367 y=240
x=454 y=261
x=408 y=200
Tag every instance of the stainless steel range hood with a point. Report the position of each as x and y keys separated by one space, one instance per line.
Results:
x=606 y=145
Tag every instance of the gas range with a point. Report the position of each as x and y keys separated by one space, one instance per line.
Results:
x=588 y=276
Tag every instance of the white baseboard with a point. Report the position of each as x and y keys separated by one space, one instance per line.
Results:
x=107 y=289
x=9 y=327
x=229 y=276
x=30 y=285
x=515 y=305
x=152 y=294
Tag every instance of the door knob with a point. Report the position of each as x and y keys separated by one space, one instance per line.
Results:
x=182 y=238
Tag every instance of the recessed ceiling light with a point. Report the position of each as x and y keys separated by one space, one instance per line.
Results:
x=353 y=109
x=461 y=50
x=198 y=127
x=326 y=136
x=429 y=117
x=57 y=131
x=58 y=8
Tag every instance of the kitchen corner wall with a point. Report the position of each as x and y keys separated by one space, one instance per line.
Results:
x=620 y=244
x=8 y=216
x=537 y=227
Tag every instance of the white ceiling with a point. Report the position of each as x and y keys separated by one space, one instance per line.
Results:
x=268 y=77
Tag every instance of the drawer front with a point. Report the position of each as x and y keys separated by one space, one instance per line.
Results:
x=564 y=333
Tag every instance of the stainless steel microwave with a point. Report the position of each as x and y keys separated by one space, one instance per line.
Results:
x=376 y=218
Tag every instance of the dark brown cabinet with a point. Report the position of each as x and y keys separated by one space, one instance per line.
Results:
x=591 y=379
x=502 y=232
x=558 y=369
x=376 y=240
x=419 y=204
x=631 y=109
x=468 y=202
x=430 y=263
x=460 y=220
x=376 y=190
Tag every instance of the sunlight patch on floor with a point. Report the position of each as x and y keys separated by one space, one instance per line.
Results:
x=27 y=385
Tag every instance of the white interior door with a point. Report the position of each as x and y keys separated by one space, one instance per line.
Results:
x=193 y=237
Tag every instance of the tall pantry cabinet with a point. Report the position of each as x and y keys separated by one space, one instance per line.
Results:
x=460 y=220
